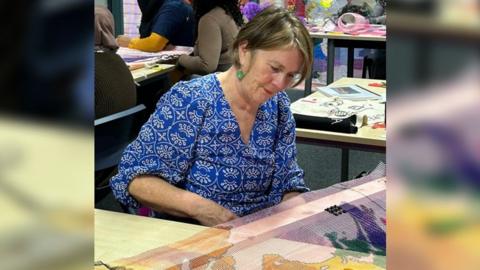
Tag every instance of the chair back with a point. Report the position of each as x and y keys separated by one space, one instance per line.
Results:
x=113 y=133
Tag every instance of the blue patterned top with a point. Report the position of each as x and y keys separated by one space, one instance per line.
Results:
x=193 y=141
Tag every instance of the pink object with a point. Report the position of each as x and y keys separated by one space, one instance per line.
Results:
x=356 y=24
x=144 y=211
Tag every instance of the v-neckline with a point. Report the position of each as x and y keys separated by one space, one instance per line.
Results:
x=237 y=122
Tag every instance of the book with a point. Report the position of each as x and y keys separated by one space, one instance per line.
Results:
x=352 y=92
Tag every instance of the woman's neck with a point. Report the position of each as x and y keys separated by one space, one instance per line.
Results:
x=235 y=93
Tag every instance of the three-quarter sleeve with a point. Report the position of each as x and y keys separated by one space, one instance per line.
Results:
x=288 y=176
x=165 y=144
x=208 y=48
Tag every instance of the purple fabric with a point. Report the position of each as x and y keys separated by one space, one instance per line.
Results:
x=251 y=9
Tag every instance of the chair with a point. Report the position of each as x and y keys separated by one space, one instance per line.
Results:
x=367 y=66
x=375 y=64
x=112 y=134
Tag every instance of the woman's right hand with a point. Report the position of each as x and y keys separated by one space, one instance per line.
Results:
x=156 y=193
x=209 y=213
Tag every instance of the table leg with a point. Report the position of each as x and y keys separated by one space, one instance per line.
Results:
x=350 y=62
x=308 y=84
x=345 y=164
x=309 y=79
x=330 y=60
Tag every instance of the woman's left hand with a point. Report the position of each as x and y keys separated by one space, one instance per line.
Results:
x=123 y=40
x=209 y=213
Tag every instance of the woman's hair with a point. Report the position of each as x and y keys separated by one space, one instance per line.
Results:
x=149 y=8
x=275 y=28
x=231 y=7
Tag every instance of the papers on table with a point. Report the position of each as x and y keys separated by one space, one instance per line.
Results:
x=351 y=92
x=367 y=111
x=134 y=56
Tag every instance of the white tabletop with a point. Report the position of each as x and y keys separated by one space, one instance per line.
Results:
x=338 y=35
x=119 y=235
x=366 y=135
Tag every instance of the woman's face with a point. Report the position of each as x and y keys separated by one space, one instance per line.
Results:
x=268 y=72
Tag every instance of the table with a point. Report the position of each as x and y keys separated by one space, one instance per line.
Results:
x=366 y=139
x=168 y=54
x=143 y=74
x=135 y=235
x=344 y=41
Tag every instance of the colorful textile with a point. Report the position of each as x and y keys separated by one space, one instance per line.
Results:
x=340 y=227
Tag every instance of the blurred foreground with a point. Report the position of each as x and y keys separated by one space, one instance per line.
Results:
x=46 y=135
x=433 y=145
x=46 y=196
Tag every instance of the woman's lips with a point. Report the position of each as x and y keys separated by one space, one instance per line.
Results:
x=268 y=91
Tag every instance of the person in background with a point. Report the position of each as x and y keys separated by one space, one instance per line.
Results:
x=223 y=145
x=163 y=22
x=378 y=15
x=115 y=89
x=218 y=22
x=378 y=56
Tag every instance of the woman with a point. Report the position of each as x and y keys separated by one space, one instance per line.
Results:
x=378 y=56
x=218 y=24
x=223 y=145
x=163 y=22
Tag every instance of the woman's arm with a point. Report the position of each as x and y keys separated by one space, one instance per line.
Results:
x=288 y=176
x=164 y=147
x=208 y=46
x=152 y=43
x=161 y=196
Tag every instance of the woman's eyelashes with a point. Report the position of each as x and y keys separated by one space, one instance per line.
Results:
x=275 y=69
x=290 y=77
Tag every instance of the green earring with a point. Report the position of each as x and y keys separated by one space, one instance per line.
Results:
x=240 y=74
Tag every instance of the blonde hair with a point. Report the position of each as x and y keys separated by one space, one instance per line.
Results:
x=275 y=28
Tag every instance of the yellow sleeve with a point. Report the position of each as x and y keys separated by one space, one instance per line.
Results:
x=152 y=43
